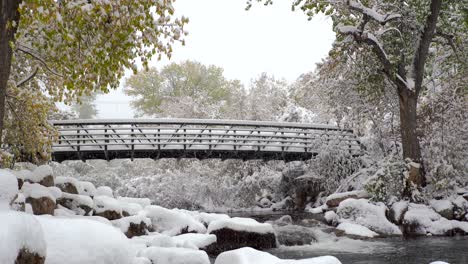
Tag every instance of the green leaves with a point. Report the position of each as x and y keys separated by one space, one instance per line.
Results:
x=90 y=44
x=187 y=89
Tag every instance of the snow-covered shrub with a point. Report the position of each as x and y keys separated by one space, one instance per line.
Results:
x=184 y=183
x=6 y=159
x=388 y=180
x=334 y=165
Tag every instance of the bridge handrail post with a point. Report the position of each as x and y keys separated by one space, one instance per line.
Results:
x=132 y=152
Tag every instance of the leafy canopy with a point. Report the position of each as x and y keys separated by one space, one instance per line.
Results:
x=188 y=89
x=82 y=46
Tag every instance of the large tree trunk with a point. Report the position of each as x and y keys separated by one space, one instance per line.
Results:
x=409 y=136
x=8 y=14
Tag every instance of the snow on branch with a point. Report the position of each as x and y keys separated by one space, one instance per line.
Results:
x=371 y=40
x=382 y=19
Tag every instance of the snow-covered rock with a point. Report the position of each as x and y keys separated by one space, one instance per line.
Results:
x=104 y=191
x=80 y=204
x=397 y=211
x=370 y=215
x=82 y=241
x=135 y=225
x=443 y=207
x=460 y=207
x=356 y=230
x=422 y=220
x=21 y=236
x=295 y=235
x=41 y=199
x=331 y=218
x=238 y=232
x=87 y=188
x=174 y=255
x=130 y=208
x=173 y=222
x=43 y=175
x=201 y=241
x=68 y=184
x=248 y=255
x=335 y=199
x=8 y=187
x=107 y=207
x=204 y=218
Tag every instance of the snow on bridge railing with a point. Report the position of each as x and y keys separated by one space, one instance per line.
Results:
x=155 y=138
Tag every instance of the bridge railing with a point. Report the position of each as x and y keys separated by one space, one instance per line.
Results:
x=184 y=135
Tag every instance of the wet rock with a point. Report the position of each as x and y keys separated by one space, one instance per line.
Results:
x=229 y=239
x=236 y=233
x=335 y=199
x=26 y=257
x=293 y=235
x=397 y=212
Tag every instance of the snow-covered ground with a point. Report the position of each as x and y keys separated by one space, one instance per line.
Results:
x=114 y=230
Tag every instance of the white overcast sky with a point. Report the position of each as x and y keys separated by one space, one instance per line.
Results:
x=245 y=43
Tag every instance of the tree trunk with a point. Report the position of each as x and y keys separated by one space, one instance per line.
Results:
x=8 y=14
x=409 y=137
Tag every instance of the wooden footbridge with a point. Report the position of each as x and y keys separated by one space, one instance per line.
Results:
x=193 y=138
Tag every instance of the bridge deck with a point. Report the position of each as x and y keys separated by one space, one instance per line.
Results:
x=161 y=138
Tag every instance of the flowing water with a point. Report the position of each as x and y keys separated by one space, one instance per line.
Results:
x=390 y=250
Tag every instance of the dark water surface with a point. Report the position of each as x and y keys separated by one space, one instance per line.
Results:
x=424 y=250
x=392 y=250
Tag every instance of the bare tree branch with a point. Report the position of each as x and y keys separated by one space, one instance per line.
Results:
x=28 y=78
x=424 y=42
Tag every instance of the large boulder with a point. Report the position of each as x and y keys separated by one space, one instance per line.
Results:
x=68 y=184
x=367 y=214
x=335 y=199
x=423 y=220
x=173 y=222
x=41 y=199
x=443 y=207
x=237 y=232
